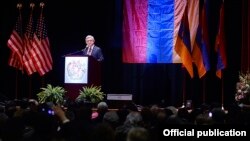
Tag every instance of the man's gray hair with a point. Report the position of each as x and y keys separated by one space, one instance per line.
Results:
x=89 y=37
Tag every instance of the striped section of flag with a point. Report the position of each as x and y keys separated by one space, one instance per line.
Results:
x=41 y=54
x=220 y=44
x=200 y=53
x=14 y=61
x=28 y=39
x=183 y=44
x=193 y=19
x=15 y=42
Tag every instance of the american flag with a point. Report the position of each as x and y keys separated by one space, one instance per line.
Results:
x=28 y=39
x=14 y=61
x=41 y=55
x=15 y=42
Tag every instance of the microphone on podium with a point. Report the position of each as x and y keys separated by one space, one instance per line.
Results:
x=72 y=53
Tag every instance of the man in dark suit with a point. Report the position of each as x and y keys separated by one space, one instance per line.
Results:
x=91 y=49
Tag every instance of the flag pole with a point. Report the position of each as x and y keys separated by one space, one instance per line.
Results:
x=222 y=90
x=203 y=91
x=30 y=88
x=42 y=81
x=183 y=87
x=16 y=90
x=19 y=6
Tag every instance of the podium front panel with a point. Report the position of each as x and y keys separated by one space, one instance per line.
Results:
x=80 y=71
x=76 y=70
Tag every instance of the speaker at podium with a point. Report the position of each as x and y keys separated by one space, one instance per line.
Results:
x=80 y=71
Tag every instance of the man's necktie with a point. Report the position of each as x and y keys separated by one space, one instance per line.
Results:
x=89 y=51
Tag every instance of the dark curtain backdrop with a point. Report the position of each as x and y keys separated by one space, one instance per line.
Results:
x=70 y=21
x=245 y=50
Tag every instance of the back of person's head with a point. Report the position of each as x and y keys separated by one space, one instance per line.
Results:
x=161 y=116
x=194 y=113
x=2 y=108
x=133 y=118
x=154 y=109
x=183 y=113
x=235 y=115
x=173 y=109
x=146 y=114
x=203 y=119
x=122 y=113
x=103 y=132
x=83 y=113
x=131 y=106
x=102 y=106
x=218 y=116
x=111 y=118
x=174 y=120
x=138 y=134
x=168 y=112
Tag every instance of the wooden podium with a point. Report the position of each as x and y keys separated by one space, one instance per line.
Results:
x=80 y=71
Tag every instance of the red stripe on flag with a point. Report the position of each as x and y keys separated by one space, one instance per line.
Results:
x=27 y=58
x=15 y=43
x=13 y=61
x=41 y=55
x=28 y=39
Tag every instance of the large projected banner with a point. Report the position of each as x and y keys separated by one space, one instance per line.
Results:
x=150 y=29
x=76 y=70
